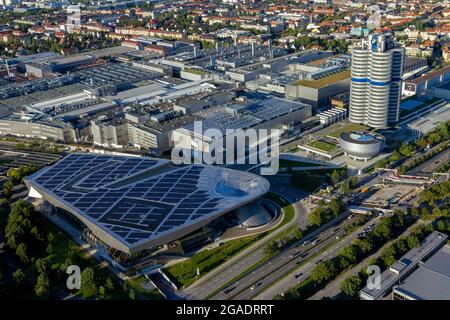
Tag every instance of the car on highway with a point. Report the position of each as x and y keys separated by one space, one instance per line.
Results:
x=298 y=275
x=227 y=291
x=304 y=255
x=256 y=285
x=316 y=242
x=305 y=243
x=317 y=262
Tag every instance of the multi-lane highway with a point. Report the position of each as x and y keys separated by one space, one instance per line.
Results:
x=217 y=278
x=278 y=267
x=304 y=271
x=285 y=262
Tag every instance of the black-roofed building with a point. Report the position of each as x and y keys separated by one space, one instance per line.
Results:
x=132 y=203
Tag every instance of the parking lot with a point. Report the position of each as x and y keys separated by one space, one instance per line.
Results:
x=390 y=194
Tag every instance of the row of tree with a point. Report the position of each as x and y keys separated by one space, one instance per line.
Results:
x=15 y=176
x=351 y=286
x=360 y=248
x=273 y=247
x=408 y=150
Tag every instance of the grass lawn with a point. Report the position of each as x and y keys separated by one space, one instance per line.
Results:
x=286 y=163
x=323 y=146
x=185 y=272
x=348 y=128
x=288 y=209
x=137 y=284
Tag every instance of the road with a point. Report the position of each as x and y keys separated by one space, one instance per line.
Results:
x=218 y=277
x=428 y=167
x=285 y=262
x=279 y=266
x=333 y=289
x=305 y=270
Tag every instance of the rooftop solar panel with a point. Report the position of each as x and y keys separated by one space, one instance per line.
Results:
x=127 y=203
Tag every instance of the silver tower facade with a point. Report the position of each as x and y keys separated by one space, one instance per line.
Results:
x=377 y=69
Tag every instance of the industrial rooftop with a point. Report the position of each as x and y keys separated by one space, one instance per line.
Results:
x=135 y=203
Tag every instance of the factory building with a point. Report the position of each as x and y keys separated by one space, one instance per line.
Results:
x=405 y=266
x=36 y=126
x=427 y=82
x=269 y=113
x=109 y=133
x=319 y=91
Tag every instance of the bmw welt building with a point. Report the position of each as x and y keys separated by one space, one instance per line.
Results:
x=134 y=203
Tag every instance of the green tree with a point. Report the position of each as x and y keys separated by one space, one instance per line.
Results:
x=323 y=271
x=350 y=253
x=41 y=265
x=109 y=285
x=351 y=286
x=335 y=177
x=19 y=277
x=132 y=294
x=22 y=253
x=271 y=248
x=388 y=257
x=413 y=242
x=42 y=287
x=88 y=282
x=102 y=292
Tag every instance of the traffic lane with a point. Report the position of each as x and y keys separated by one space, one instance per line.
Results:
x=204 y=290
x=289 y=266
x=286 y=284
x=227 y=275
x=281 y=261
x=267 y=267
x=255 y=276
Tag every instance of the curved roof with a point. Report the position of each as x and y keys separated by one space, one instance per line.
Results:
x=133 y=203
x=362 y=137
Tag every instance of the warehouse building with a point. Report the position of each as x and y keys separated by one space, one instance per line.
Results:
x=426 y=82
x=431 y=281
x=268 y=113
x=405 y=266
x=319 y=91
x=37 y=126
